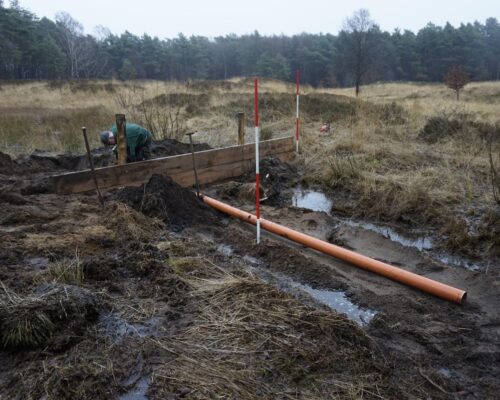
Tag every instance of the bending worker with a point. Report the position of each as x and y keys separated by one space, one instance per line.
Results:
x=138 y=141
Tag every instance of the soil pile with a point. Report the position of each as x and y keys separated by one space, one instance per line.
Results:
x=164 y=199
x=6 y=164
x=40 y=161
x=276 y=177
x=172 y=147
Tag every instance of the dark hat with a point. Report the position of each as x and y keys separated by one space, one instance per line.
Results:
x=105 y=136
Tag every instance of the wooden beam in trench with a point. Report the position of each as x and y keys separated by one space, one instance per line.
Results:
x=212 y=165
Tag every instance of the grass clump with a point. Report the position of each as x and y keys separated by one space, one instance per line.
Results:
x=343 y=170
x=34 y=320
x=22 y=323
x=69 y=271
x=266 y=133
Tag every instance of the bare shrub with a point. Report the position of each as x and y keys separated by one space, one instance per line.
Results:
x=162 y=116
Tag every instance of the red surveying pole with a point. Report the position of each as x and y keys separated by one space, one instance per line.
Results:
x=257 y=169
x=297 y=121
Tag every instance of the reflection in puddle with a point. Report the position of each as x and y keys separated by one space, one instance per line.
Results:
x=458 y=262
x=337 y=301
x=138 y=392
x=317 y=201
x=421 y=243
x=225 y=249
x=312 y=200
x=251 y=260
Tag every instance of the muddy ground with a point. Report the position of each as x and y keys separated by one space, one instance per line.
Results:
x=158 y=297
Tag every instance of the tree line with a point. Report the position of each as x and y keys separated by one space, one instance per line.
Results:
x=33 y=48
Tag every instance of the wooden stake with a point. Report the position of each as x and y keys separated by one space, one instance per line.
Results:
x=121 y=127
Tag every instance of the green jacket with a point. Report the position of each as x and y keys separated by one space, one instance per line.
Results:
x=137 y=137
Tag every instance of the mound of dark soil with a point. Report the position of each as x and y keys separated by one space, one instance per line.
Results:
x=6 y=164
x=162 y=198
x=276 y=177
x=172 y=147
x=40 y=161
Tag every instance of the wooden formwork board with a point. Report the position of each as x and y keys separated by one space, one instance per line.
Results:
x=212 y=165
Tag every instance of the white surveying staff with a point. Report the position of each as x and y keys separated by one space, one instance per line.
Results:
x=257 y=171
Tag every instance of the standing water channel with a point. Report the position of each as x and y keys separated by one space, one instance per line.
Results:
x=318 y=201
x=335 y=299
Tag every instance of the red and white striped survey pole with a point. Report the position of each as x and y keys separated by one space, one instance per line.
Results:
x=257 y=169
x=297 y=120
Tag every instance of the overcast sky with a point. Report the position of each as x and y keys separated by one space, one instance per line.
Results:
x=211 y=18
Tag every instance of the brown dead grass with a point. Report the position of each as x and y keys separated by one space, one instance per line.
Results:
x=250 y=340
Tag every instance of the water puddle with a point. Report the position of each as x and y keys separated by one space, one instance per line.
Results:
x=420 y=242
x=251 y=260
x=318 y=201
x=337 y=301
x=225 y=249
x=138 y=392
x=117 y=328
x=38 y=262
x=456 y=261
x=312 y=200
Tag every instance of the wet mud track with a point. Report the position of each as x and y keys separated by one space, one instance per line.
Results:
x=139 y=299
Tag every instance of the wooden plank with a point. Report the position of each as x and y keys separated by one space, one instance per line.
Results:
x=207 y=161
x=218 y=173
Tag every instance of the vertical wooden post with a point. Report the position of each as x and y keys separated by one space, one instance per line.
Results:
x=241 y=129
x=121 y=127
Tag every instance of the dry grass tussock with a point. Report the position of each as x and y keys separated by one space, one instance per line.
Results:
x=29 y=321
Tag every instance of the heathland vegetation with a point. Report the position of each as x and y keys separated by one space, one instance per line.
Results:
x=33 y=48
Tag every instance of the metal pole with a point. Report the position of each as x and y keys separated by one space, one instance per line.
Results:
x=190 y=134
x=91 y=162
x=257 y=167
x=121 y=127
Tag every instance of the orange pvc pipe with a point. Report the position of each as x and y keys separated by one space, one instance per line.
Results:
x=397 y=274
